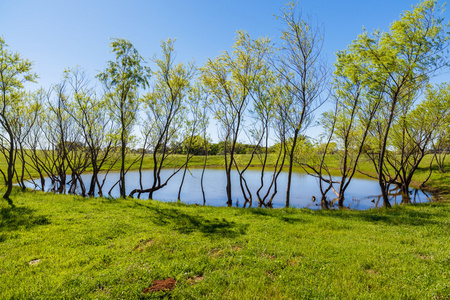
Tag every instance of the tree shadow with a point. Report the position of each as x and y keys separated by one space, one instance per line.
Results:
x=398 y=215
x=285 y=215
x=13 y=218
x=186 y=223
x=442 y=181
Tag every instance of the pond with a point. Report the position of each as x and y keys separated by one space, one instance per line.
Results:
x=361 y=194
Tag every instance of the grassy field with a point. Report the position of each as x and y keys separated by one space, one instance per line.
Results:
x=68 y=247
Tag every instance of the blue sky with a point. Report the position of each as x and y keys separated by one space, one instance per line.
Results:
x=57 y=34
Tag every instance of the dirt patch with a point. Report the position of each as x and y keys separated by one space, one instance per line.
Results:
x=142 y=245
x=292 y=262
x=216 y=252
x=34 y=262
x=270 y=274
x=236 y=248
x=268 y=256
x=194 y=280
x=161 y=285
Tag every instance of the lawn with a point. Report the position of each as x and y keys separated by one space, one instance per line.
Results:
x=69 y=247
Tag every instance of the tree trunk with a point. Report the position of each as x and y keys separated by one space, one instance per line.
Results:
x=291 y=163
x=341 y=199
x=406 y=198
x=228 y=188
x=10 y=172
x=122 y=169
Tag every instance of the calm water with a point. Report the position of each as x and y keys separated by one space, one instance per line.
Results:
x=359 y=195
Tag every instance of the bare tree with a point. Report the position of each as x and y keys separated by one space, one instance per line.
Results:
x=304 y=74
x=90 y=114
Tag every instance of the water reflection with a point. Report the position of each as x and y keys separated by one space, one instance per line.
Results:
x=361 y=193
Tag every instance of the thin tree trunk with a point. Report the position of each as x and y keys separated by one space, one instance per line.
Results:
x=10 y=172
x=291 y=163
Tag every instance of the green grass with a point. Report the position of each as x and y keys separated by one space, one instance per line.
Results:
x=69 y=247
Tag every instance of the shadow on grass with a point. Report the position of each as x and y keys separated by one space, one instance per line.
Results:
x=13 y=218
x=285 y=215
x=440 y=184
x=186 y=223
x=398 y=215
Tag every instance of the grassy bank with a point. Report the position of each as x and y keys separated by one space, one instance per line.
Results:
x=55 y=246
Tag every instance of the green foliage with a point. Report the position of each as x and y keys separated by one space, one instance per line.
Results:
x=231 y=78
x=122 y=79
x=166 y=104
x=14 y=72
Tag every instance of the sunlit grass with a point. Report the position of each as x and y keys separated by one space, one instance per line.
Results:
x=56 y=246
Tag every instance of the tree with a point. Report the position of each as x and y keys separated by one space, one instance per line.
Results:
x=348 y=126
x=304 y=74
x=412 y=135
x=27 y=113
x=401 y=64
x=165 y=111
x=14 y=72
x=230 y=79
x=122 y=80
x=196 y=110
x=89 y=113
x=35 y=140
x=441 y=137
x=60 y=133
x=267 y=95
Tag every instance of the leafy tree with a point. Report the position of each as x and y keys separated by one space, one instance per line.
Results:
x=441 y=137
x=27 y=114
x=195 y=124
x=14 y=72
x=122 y=80
x=266 y=98
x=230 y=79
x=401 y=63
x=165 y=111
x=348 y=126
x=35 y=140
x=412 y=135
x=60 y=135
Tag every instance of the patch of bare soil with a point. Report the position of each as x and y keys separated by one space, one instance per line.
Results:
x=423 y=256
x=161 y=285
x=194 y=280
x=268 y=256
x=142 y=245
x=216 y=252
x=34 y=262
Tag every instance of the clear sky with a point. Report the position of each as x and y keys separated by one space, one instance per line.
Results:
x=56 y=34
